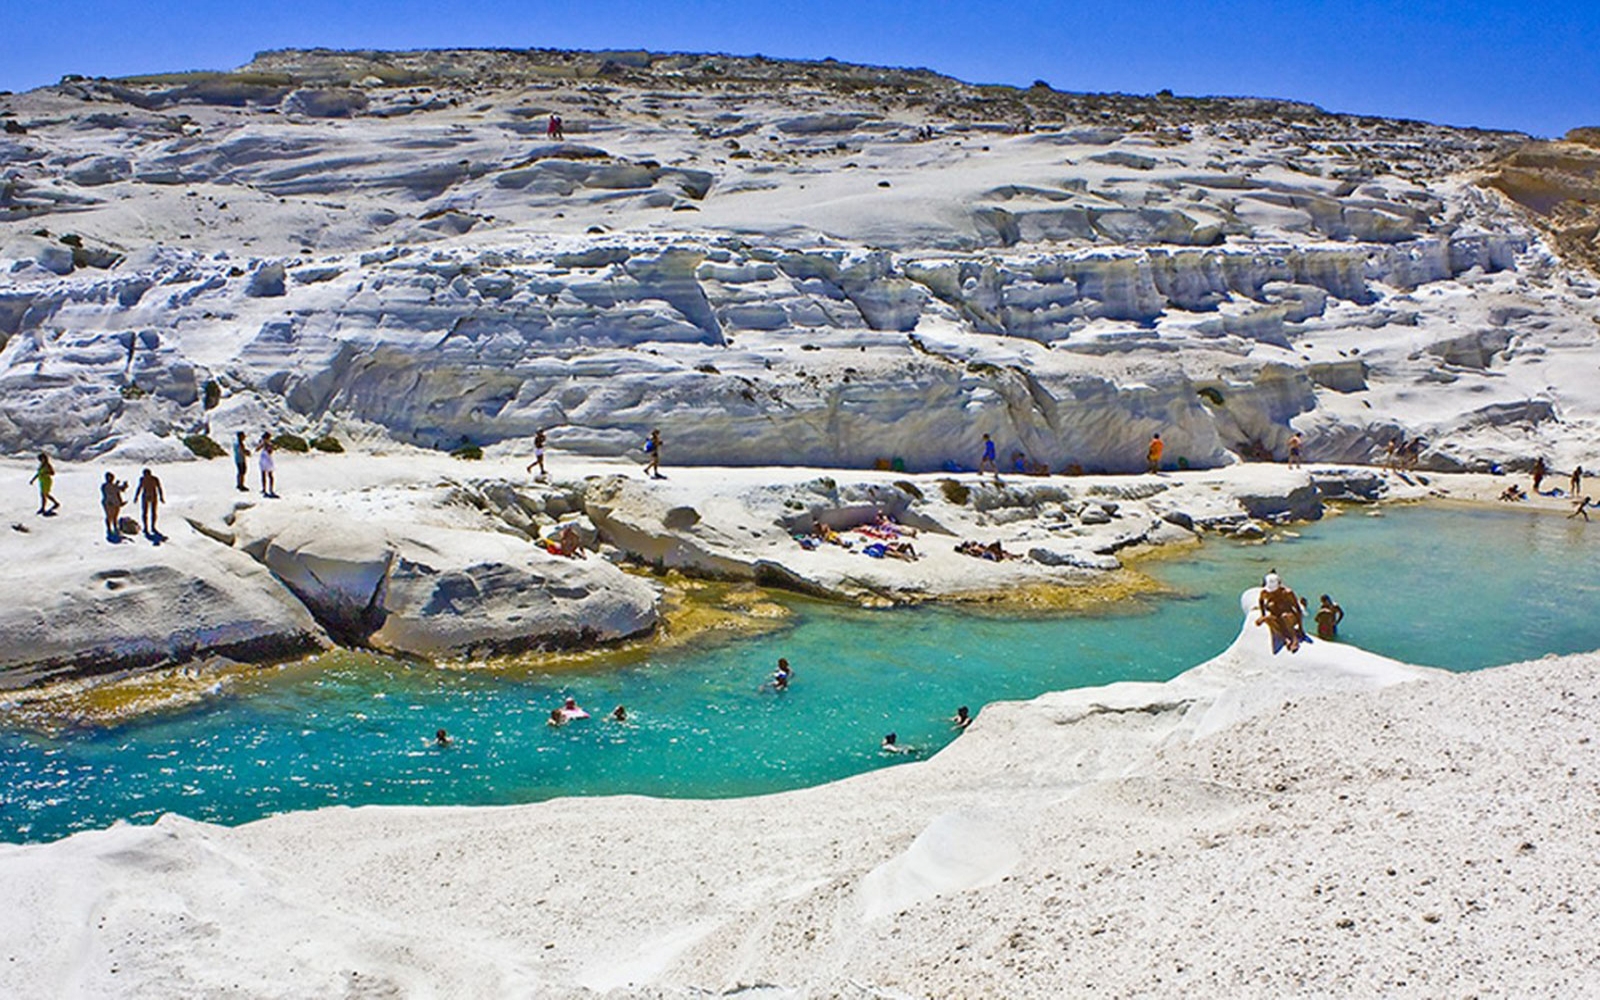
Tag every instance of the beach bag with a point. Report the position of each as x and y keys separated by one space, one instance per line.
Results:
x=649 y=446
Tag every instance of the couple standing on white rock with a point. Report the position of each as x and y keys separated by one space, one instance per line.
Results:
x=265 y=460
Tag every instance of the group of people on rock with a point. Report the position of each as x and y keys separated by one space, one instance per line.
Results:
x=1284 y=613
x=148 y=493
x=1537 y=473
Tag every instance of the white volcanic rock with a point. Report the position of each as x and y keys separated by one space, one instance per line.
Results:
x=419 y=571
x=76 y=604
x=860 y=278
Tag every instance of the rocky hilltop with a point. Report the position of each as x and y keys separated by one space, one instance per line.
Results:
x=774 y=262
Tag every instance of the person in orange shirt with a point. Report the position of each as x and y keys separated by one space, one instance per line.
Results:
x=1153 y=456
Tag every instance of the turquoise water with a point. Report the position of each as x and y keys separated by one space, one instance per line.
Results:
x=1461 y=588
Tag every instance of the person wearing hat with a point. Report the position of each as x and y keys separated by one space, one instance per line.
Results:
x=1280 y=612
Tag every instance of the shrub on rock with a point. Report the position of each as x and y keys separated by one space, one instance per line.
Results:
x=328 y=443
x=291 y=442
x=204 y=446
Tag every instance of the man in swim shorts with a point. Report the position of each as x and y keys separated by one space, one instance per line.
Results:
x=1329 y=615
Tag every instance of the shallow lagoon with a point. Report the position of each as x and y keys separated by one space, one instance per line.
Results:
x=1458 y=587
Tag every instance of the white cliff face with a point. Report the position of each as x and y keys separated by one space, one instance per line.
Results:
x=772 y=266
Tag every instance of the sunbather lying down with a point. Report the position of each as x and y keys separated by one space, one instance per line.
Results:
x=992 y=552
x=891 y=550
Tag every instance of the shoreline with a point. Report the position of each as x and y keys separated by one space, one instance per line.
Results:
x=1042 y=518
x=1051 y=844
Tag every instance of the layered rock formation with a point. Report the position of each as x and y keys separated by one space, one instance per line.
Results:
x=773 y=262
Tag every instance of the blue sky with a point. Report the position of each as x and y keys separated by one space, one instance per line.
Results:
x=1530 y=66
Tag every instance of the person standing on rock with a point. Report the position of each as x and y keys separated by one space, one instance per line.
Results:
x=1328 y=616
x=269 y=467
x=553 y=129
x=653 y=446
x=111 y=502
x=1153 y=455
x=1539 y=470
x=241 y=462
x=538 y=454
x=46 y=477
x=988 y=463
x=149 y=495
x=1574 y=485
x=1294 y=450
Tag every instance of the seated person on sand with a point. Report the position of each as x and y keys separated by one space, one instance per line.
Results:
x=891 y=744
x=567 y=544
x=1280 y=612
x=1513 y=492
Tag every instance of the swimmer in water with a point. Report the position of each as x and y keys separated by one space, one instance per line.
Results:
x=962 y=719
x=557 y=719
x=441 y=739
x=892 y=744
x=619 y=714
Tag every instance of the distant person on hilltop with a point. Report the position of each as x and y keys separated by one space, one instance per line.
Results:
x=149 y=495
x=1153 y=455
x=241 y=462
x=111 y=502
x=45 y=476
x=553 y=130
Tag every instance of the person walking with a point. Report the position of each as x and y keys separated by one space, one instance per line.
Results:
x=538 y=454
x=45 y=476
x=653 y=446
x=149 y=495
x=989 y=463
x=241 y=462
x=1153 y=455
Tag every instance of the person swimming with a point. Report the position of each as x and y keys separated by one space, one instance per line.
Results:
x=441 y=739
x=892 y=744
x=557 y=719
x=782 y=676
x=619 y=714
x=962 y=719
x=569 y=710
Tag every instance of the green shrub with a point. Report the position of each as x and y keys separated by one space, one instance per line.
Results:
x=909 y=489
x=133 y=392
x=203 y=446
x=213 y=393
x=291 y=442
x=328 y=443
x=468 y=452
x=954 y=492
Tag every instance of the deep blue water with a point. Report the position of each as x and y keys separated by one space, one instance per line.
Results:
x=1449 y=587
